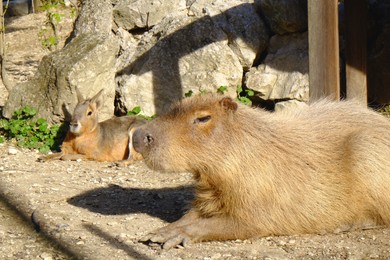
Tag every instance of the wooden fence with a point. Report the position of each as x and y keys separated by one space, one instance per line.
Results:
x=324 y=65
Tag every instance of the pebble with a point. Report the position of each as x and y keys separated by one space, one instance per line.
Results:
x=46 y=256
x=216 y=256
x=12 y=150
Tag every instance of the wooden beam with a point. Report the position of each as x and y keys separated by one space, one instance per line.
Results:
x=356 y=49
x=324 y=75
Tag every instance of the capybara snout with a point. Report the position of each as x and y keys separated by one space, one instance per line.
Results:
x=141 y=140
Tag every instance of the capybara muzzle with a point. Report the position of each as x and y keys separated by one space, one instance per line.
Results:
x=141 y=140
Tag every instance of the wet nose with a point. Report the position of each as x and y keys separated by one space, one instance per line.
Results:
x=141 y=140
x=74 y=123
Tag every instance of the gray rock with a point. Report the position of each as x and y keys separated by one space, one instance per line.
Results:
x=284 y=72
x=247 y=33
x=289 y=105
x=133 y=14
x=178 y=55
x=285 y=16
x=87 y=62
x=95 y=17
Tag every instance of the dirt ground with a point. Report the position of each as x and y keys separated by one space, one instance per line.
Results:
x=91 y=210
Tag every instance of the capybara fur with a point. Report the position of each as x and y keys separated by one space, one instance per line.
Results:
x=90 y=139
x=321 y=168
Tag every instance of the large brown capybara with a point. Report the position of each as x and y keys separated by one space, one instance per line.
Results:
x=321 y=168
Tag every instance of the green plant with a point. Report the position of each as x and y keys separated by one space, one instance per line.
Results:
x=189 y=93
x=29 y=133
x=49 y=37
x=243 y=96
x=136 y=111
x=385 y=111
x=222 y=89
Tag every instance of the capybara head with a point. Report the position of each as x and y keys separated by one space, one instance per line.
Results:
x=85 y=115
x=183 y=138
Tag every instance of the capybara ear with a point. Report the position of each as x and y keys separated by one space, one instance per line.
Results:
x=97 y=100
x=228 y=103
x=80 y=97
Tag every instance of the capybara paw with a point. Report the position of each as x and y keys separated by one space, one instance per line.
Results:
x=123 y=163
x=168 y=239
x=49 y=157
x=42 y=158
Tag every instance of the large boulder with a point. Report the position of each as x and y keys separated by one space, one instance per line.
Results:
x=87 y=61
x=179 y=55
x=239 y=19
x=284 y=74
x=209 y=46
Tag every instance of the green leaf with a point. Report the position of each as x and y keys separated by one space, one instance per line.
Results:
x=250 y=93
x=239 y=89
x=135 y=111
x=4 y=124
x=189 y=93
x=44 y=149
x=245 y=101
x=29 y=111
x=222 y=89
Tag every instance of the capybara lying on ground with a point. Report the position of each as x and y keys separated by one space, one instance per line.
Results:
x=90 y=139
x=321 y=168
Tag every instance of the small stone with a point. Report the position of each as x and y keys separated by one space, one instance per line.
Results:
x=216 y=256
x=12 y=150
x=46 y=256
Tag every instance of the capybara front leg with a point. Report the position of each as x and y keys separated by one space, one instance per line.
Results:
x=49 y=157
x=192 y=228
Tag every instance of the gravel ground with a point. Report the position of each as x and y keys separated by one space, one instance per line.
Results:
x=19 y=239
x=91 y=210
x=101 y=210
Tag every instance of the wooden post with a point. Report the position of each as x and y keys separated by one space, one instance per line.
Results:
x=356 y=49
x=324 y=75
x=36 y=5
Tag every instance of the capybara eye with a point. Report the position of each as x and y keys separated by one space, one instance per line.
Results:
x=148 y=139
x=202 y=119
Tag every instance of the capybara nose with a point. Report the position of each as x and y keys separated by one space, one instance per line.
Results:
x=141 y=140
x=74 y=124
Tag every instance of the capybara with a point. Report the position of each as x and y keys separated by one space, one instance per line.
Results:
x=90 y=139
x=321 y=168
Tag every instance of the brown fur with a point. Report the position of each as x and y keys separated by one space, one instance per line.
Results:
x=88 y=139
x=321 y=168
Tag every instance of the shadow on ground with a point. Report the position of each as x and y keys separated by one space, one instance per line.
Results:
x=168 y=204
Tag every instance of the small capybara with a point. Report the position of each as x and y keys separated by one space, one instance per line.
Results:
x=321 y=168
x=90 y=139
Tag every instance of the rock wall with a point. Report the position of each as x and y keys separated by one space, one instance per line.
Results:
x=151 y=53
